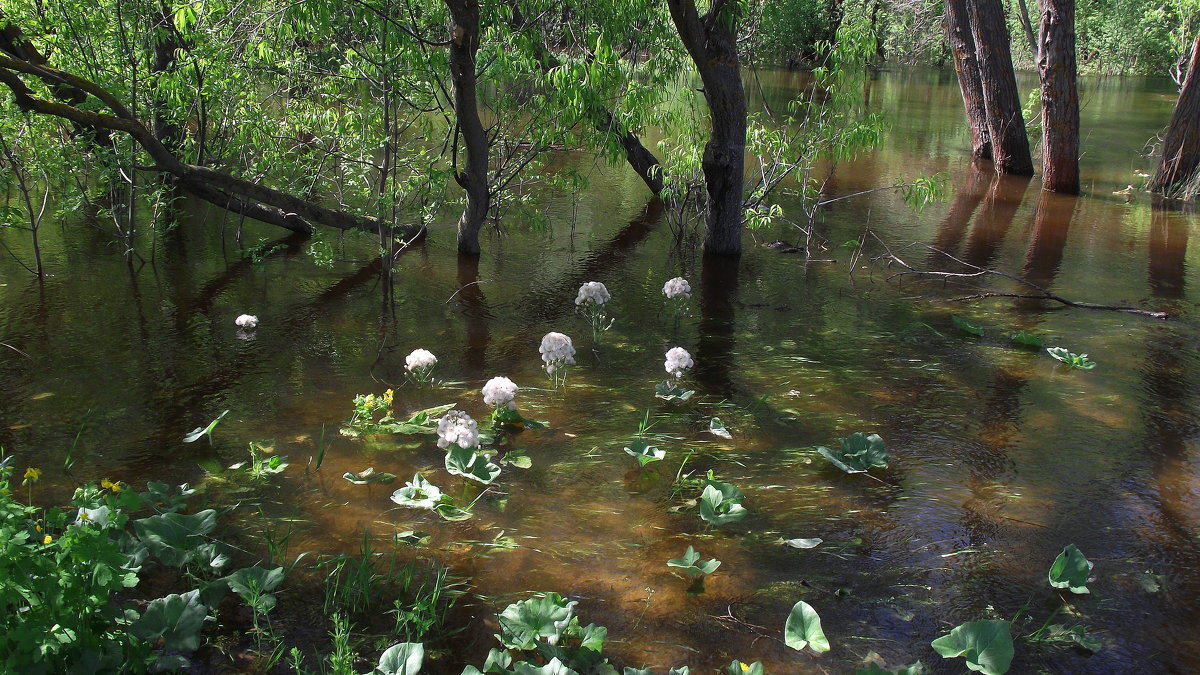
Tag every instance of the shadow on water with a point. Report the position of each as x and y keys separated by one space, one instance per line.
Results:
x=716 y=342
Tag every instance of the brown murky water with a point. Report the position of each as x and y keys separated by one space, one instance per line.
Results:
x=999 y=456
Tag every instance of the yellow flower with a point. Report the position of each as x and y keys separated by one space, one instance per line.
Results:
x=387 y=397
x=32 y=475
x=745 y=668
x=109 y=485
x=47 y=540
x=38 y=528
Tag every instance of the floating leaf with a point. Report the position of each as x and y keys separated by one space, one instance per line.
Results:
x=368 y=475
x=523 y=623
x=986 y=645
x=176 y=619
x=467 y=463
x=739 y=668
x=804 y=543
x=1071 y=359
x=917 y=668
x=200 y=432
x=418 y=494
x=669 y=392
x=803 y=629
x=690 y=562
x=1070 y=570
x=721 y=503
x=402 y=659
x=1026 y=339
x=859 y=453
x=176 y=538
x=644 y=452
x=411 y=537
x=717 y=428
x=966 y=326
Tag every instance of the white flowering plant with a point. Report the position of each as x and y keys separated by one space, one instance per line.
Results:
x=591 y=301
x=678 y=292
x=419 y=364
x=501 y=394
x=678 y=362
x=558 y=352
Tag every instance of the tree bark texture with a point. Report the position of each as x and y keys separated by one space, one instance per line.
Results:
x=711 y=41
x=1181 y=146
x=473 y=178
x=1006 y=125
x=966 y=64
x=1060 y=98
x=222 y=189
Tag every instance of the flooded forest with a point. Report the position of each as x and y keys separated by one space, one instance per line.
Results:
x=599 y=337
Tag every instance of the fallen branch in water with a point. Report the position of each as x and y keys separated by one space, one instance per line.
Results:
x=890 y=257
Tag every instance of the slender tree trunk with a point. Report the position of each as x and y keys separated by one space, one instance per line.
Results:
x=1060 y=99
x=464 y=44
x=166 y=41
x=711 y=41
x=1006 y=126
x=1023 y=15
x=966 y=64
x=1181 y=147
x=640 y=159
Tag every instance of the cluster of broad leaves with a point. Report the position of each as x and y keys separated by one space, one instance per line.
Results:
x=859 y=453
x=61 y=570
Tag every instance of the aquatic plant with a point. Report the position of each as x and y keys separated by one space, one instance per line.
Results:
x=467 y=463
x=690 y=563
x=677 y=288
x=966 y=326
x=421 y=494
x=717 y=428
x=721 y=503
x=546 y=623
x=363 y=422
x=557 y=353
x=246 y=321
x=917 y=668
x=739 y=668
x=200 y=432
x=986 y=645
x=419 y=363
x=368 y=476
x=678 y=361
x=859 y=453
x=803 y=629
x=1071 y=359
x=262 y=462
x=500 y=393
x=641 y=450
x=405 y=658
x=591 y=300
x=457 y=428
x=1024 y=338
x=1070 y=570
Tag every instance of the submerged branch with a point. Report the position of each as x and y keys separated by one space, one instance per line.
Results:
x=977 y=272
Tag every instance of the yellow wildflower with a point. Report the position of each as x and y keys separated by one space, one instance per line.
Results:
x=37 y=528
x=47 y=540
x=109 y=485
x=387 y=397
x=32 y=475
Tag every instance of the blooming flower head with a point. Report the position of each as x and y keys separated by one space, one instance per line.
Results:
x=593 y=292
x=246 y=321
x=458 y=428
x=500 y=391
x=557 y=351
x=32 y=475
x=677 y=288
x=46 y=540
x=420 y=360
x=678 y=360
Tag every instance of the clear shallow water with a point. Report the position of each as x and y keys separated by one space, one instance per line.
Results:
x=999 y=458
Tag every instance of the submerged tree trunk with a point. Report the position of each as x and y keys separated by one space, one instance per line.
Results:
x=1006 y=126
x=464 y=44
x=711 y=41
x=966 y=64
x=1181 y=146
x=1060 y=98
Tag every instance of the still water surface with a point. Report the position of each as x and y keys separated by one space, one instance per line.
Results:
x=999 y=456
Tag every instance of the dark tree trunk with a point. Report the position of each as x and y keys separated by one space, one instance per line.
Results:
x=711 y=41
x=966 y=64
x=1006 y=126
x=1060 y=99
x=166 y=41
x=464 y=43
x=1181 y=147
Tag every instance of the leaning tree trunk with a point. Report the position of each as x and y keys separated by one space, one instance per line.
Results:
x=1006 y=126
x=1181 y=147
x=711 y=41
x=1060 y=99
x=966 y=64
x=464 y=44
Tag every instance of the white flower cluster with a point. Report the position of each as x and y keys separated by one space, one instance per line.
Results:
x=246 y=321
x=678 y=360
x=557 y=351
x=420 y=360
x=677 y=288
x=593 y=292
x=458 y=428
x=500 y=391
